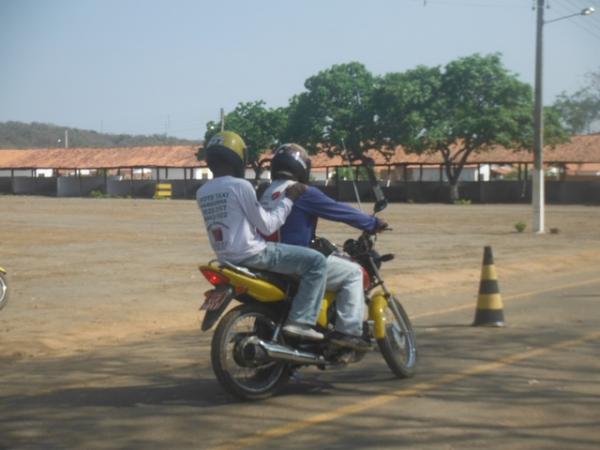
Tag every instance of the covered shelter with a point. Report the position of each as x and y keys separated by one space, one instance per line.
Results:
x=126 y=171
x=573 y=168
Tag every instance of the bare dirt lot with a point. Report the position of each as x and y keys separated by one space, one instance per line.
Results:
x=85 y=273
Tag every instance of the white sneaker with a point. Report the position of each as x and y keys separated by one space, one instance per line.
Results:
x=303 y=331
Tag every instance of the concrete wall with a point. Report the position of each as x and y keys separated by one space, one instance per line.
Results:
x=5 y=185
x=131 y=188
x=557 y=192
x=78 y=186
x=579 y=192
x=185 y=188
x=33 y=186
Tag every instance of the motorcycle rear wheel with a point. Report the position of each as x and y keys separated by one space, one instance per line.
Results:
x=399 y=346
x=238 y=377
x=3 y=290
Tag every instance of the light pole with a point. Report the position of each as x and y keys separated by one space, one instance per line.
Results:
x=537 y=196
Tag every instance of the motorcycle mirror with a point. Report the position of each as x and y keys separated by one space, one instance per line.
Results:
x=380 y=205
x=386 y=258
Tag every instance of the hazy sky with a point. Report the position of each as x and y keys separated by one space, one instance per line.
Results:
x=155 y=66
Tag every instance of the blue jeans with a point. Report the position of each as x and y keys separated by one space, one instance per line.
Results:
x=308 y=264
x=345 y=278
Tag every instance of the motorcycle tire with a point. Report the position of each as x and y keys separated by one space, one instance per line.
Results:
x=399 y=346
x=3 y=290
x=238 y=377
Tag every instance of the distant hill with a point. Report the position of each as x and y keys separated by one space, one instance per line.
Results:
x=44 y=135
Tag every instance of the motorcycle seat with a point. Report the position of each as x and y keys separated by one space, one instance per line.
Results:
x=287 y=283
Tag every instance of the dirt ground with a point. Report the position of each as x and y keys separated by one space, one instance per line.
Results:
x=85 y=273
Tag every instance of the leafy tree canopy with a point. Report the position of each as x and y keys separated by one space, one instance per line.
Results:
x=259 y=126
x=470 y=105
x=580 y=112
x=335 y=109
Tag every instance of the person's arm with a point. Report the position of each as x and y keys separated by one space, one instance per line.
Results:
x=267 y=222
x=317 y=203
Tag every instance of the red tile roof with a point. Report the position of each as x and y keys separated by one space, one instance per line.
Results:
x=100 y=158
x=581 y=149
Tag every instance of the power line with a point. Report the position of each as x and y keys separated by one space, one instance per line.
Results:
x=476 y=4
x=581 y=22
x=593 y=20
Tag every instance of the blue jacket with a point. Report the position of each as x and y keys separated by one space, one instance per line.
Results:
x=301 y=224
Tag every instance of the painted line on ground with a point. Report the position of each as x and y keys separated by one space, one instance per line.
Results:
x=507 y=298
x=418 y=388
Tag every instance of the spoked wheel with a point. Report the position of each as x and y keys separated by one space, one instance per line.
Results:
x=399 y=346
x=3 y=290
x=238 y=371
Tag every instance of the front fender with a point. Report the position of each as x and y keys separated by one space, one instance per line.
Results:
x=377 y=307
x=2 y=270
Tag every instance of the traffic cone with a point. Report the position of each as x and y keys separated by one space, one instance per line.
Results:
x=489 y=302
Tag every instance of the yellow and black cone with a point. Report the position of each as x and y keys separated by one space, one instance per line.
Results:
x=489 y=302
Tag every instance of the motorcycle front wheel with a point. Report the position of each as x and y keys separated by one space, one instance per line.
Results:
x=399 y=346
x=240 y=377
x=3 y=290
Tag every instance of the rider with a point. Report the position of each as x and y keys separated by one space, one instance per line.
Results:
x=233 y=219
x=291 y=164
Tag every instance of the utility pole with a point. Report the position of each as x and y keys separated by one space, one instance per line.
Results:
x=537 y=195
x=66 y=138
x=222 y=119
x=538 y=127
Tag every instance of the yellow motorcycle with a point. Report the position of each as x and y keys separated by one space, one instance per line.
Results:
x=251 y=357
x=3 y=288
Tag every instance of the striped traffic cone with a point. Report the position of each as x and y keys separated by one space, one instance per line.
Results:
x=489 y=302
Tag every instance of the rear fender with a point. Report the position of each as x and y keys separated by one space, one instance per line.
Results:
x=261 y=290
x=377 y=307
x=211 y=316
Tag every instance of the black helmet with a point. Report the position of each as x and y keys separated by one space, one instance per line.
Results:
x=226 y=148
x=291 y=162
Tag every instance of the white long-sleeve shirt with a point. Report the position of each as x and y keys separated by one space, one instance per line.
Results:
x=233 y=217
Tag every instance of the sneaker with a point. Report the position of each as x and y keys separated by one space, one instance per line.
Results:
x=348 y=341
x=300 y=330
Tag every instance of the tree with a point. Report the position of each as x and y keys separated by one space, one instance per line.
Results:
x=259 y=126
x=470 y=106
x=334 y=111
x=580 y=111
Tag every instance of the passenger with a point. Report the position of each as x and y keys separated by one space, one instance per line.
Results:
x=291 y=164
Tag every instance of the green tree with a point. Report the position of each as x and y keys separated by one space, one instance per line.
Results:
x=259 y=126
x=469 y=106
x=336 y=109
x=581 y=111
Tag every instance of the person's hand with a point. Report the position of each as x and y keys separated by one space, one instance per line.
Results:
x=295 y=191
x=382 y=225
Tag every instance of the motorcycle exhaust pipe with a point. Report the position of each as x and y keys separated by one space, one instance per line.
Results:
x=282 y=353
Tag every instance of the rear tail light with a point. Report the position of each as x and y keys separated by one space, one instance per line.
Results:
x=214 y=278
x=366 y=279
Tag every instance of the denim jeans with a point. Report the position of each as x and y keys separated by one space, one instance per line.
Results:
x=345 y=278
x=308 y=264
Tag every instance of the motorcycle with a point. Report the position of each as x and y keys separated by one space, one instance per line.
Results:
x=252 y=359
x=3 y=288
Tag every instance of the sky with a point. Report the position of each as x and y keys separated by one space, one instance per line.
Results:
x=169 y=66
